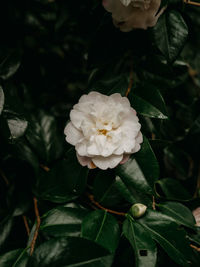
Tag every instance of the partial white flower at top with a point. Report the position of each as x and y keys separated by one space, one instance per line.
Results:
x=134 y=14
x=196 y=214
x=104 y=130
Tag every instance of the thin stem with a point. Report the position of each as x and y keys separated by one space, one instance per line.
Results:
x=4 y=177
x=45 y=168
x=154 y=204
x=130 y=80
x=194 y=247
x=38 y=221
x=26 y=225
x=91 y=197
x=191 y=3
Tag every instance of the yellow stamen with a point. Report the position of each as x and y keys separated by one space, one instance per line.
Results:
x=102 y=131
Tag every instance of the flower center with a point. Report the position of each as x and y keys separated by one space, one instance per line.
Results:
x=102 y=131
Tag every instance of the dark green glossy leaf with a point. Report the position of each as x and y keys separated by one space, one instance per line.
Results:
x=118 y=84
x=170 y=34
x=102 y=228
x=5 y=131
x=145 y=108
x=143 y=245
x=63 y=221
x=141 y=171
x=172 y=190
x=17 y=127
x=178 y=161
x=9 y=65
x=124 y=190
x=22 y=151
x=147 y=100
x=71 y=251
x=22 y=259
x=195 y=237
x=64 y=182
x=105 y=189
x=165 y=231
x=5 y=229
x=195 y=128
x=43 y=136
x=9 y=259
x=181 y=214
x=1 y=99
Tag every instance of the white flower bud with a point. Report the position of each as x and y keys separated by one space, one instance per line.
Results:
x=137 y=210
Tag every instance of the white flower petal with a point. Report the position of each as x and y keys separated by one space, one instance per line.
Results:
x=136 y=148
x=125 y=158
x=92 y=149
x=72 y=134
x=85 y=161
x=107 y=162
x=81 y=148
x=77 y=118
x=139 y=138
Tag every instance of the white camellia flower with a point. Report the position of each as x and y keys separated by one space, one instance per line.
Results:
x=104 y=130
x=133 y=14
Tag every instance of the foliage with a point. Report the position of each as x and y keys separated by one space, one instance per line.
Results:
x=50 y=54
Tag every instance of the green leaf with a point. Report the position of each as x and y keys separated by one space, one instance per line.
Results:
x=181 y=214
x=105 y=189
x=5 y=229
x=118 y=84
x=147 y=101
x=9 y=258
x=22 y=259
x=102 y=228
x=195 y=237
x=14 y=258
x=9 y=65
x=70 y=252
x=170 y=34
x=124 y=190
x=22 y=151
x=43 y=136
x=140 y=171
x=143 y=245
x=17 y=127
x=172 y=190
x=63 y=221
x=165 y=231
x=65 y=181
x=145 y=108
x=2 y=98
x=178 y=161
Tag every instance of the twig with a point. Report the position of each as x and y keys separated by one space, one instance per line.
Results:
x=130 y=80
x=153 y=136
x=4 y=177
x=194 y=247
x=91 y=197
x=37 y=226
x=154 y=204
x=191 y=166
x=191 y=3
x=26 y=225
x=45 y=168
